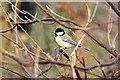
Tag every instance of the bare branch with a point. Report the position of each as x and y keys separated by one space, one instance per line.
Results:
x=81 y=68
x=116 y=10
x=13 y=71
x=84 y=65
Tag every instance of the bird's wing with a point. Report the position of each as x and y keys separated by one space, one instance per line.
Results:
x=70 y=40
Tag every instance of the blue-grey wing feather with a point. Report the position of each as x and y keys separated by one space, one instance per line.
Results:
x=71 y=41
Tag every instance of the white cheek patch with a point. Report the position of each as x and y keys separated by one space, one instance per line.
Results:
x=60 y=33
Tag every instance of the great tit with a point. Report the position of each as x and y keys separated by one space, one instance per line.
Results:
x=64 y=40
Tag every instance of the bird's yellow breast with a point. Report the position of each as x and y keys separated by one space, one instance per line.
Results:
x=61 y=43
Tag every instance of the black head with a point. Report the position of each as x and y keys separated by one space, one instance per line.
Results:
x=59 y=32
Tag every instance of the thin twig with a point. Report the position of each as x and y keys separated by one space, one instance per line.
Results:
x=27 y=72
x=9 y=29
x=36 y=65
x=54 y=12
x=45 y=71
x=113 y=42
x=84 y=65
x=95 y=75
x=12 y=71
x=109 y=28
x=77 y=74
x=99 y=63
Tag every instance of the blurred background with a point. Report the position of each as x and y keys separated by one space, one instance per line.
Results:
x=41 y=33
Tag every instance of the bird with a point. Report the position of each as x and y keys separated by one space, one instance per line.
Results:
x=64 y=40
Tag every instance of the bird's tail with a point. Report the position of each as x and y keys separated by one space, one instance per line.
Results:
x=84 y=47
